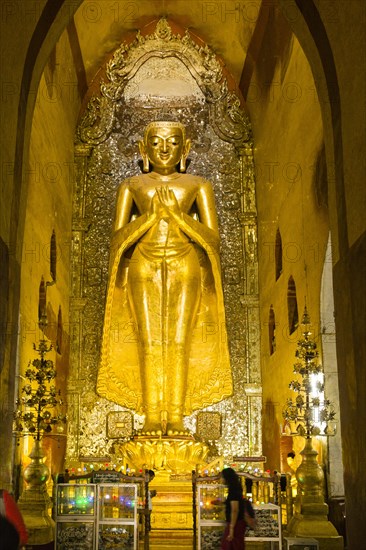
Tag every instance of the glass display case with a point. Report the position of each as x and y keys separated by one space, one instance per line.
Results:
x=117 y=517
x=211 y=519
x=75 y=535
x=211 y=515
x=75 y=516
x=268 y=524
x=301 y=543
x=75 y=500
x=96 y=516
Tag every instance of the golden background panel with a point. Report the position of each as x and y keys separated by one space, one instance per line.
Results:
x=119 y=424
x=209 y=425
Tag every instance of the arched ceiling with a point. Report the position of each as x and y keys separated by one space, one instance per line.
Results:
x=227 y=27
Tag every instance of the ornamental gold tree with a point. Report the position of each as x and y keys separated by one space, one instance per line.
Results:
x=36 y=413
x=309 y=413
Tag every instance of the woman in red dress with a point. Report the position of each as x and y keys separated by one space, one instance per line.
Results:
x=9 y=509
x=238 y=511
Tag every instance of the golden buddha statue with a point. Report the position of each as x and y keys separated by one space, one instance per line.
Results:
x=164 y=347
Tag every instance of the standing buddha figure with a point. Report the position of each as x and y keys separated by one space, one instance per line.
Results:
x=164 y=347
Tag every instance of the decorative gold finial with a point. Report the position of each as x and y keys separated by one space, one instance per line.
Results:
x=305 y=317
x=163 y=29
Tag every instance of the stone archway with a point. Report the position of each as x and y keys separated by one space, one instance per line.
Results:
x=301 y=22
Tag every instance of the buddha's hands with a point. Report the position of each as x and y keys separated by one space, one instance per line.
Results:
x=168 y=201
x=156 y=207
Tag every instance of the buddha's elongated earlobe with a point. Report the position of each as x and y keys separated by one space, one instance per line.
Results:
x=182 y=164
x=145 y=158
x=145 y=163
x=183 y=160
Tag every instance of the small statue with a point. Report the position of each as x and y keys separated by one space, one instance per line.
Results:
x=164 y=347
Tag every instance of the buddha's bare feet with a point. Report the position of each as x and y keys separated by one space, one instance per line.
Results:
x=177 y=428
x=151 y=428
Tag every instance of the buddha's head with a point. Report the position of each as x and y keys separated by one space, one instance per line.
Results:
x=164 y=146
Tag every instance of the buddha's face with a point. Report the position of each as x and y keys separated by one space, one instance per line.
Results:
x=164 y=147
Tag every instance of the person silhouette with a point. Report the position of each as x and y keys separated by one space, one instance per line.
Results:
x=10 y=512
